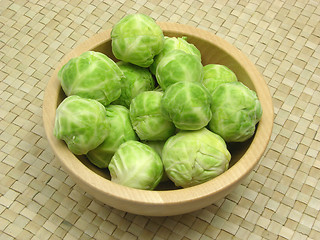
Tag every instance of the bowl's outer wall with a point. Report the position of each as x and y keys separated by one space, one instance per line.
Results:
x=171 y=202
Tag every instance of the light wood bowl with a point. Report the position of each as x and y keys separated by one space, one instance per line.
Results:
x=167 y=200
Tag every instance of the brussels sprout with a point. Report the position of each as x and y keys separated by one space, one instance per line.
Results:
x=136 y=38
x=172 y=43
x=236 y=110
x=187 y=105
x=178 y=66
x=215 y=74
x=147 y=119
x=91 y=75
x=136 y=165
x=194 y=157
x=158 y=146
x=136 y=80
x=81 y=123
x=119 y=131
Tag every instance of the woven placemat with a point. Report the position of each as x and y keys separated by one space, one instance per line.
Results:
x=279 y=200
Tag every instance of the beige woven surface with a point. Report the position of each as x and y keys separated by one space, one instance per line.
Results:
x=279 y=200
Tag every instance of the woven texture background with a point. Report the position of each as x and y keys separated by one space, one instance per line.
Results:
x=279 y=200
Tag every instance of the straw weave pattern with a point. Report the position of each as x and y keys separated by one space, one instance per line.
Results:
x=280 y=199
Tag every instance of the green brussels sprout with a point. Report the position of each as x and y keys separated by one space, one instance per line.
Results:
x=235 y=111
x=136 y=80
x=187 y=105
x=147 y=119
x=136 y=165
x=136 y=38
x=178 y=66
x=91 y=75
x=193 y=157
x=215 y=74
x=119 y=131
x=81 y=123
x=158 y=146
x=172 y=43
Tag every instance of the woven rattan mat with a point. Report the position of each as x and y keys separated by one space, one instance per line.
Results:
x=279 y=200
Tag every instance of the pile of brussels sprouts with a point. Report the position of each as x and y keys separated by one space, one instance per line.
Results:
x=155 y=115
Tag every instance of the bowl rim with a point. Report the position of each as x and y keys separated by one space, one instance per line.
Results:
x=113 y=192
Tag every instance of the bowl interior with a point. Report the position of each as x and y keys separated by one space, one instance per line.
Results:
x=211 y=53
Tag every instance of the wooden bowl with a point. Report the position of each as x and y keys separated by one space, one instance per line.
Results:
x=166 y=200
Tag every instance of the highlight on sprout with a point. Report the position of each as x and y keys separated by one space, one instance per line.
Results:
x=236 y=111
x=135 y=80
x=194 y=157
x=81 y=123
x=136 y=165
x=187 y=105
x=147 y=118
x=136 y=38
x=156 y=113
x=119 y=131
x=91 y=75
